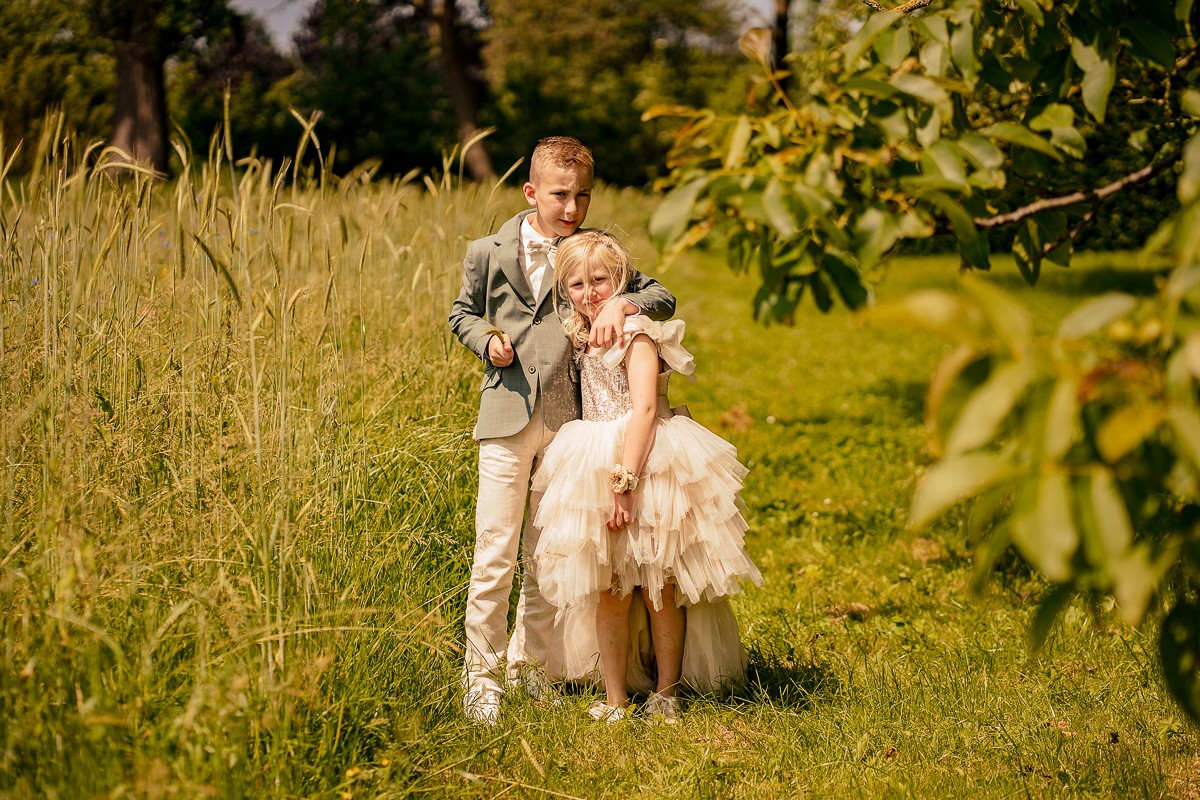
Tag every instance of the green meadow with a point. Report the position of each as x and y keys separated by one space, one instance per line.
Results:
x=238 y=501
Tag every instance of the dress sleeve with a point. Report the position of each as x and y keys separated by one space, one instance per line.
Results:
x=667 y=336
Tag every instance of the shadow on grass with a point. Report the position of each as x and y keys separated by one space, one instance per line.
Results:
x=784 y=680
x=1088 y=282
x=908 y=396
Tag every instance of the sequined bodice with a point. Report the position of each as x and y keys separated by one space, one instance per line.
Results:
x=606 y=391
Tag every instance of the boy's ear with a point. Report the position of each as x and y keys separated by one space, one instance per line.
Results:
x=530 y=194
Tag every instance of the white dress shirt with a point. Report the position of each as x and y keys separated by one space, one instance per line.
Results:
x=539 y=264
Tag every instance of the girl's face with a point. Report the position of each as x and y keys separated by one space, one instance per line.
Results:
x=589 y=287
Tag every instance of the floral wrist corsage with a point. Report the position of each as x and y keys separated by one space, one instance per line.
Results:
x=622 y=479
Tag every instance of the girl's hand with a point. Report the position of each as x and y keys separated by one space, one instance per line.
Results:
x=622 y=511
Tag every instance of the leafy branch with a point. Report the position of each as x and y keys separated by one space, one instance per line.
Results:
x=1093 y=195
x=903 y=8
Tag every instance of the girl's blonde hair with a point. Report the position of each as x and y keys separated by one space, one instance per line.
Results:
x=588 y=248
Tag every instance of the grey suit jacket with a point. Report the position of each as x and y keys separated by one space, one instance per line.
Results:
x=496 y=294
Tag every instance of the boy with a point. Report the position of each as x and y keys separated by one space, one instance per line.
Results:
x=505 y=315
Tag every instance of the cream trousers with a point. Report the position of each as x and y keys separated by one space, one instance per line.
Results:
x=504 y=502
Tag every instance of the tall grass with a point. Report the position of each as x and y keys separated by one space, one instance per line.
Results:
x=234 y=490
x=238 y=495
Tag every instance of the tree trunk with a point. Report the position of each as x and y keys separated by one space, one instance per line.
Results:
x=462 y=98
x=779 y=38
x=140 y=113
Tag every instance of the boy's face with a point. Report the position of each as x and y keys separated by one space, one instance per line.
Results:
x=561 y=197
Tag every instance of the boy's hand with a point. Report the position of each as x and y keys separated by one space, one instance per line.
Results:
x=500 y=351
x=609 y=326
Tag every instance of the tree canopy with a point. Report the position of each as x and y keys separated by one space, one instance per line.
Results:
x=396 y=83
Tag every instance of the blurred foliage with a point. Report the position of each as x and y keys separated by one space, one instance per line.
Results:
x=938 y=122
x=49 y=62
x=370 y=69
x=240 y=58
x=599 y=66
x=1011 y=125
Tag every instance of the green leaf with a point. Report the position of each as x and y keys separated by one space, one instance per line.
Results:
x=1062 y=419
x=1042 y=526
x=1055 y=115
x=1048 y=610
x=1186 y=241
x=1155 y=43
x=947 y=160
x=738 y=142
x=893 y=45
x=777 y=211
x=1070 y=141
x=813 y=201
x=1185 y=422
x=875 y=232
x=1094 y=314
x=981 y=151
x=1183 y=11
x=932 y=27
x=964 y=50
x=820 y=293
x=1179 y=652
x=954 y=479
x=1189 y=101
x=931 y=310
x=972 y=247
x=934 y=59
x=1188 y=187
x=926 y=90
x=1027 y=251
x=991 y=548
x=876 y=24
x=1011 y=320
x=846 y=280
x=1021 y=136
x=673 y=214
x=1058 y=119
x=1123 y=431
x=872 y=87
x=1033 y=10
x=1114 y=533
x=1134 y=578
x=987 y=408
x=1099 y=73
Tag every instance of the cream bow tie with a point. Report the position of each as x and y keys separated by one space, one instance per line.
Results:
x=542 y=247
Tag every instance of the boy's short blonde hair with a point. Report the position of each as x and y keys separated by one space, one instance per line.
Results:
x=559 y=151
x=587 y=248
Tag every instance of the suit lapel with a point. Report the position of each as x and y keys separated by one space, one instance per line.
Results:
x=508 y=242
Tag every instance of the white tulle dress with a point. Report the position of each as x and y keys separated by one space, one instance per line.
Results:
x=687 y=527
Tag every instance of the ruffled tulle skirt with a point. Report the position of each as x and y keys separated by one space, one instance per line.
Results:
x=687 y=531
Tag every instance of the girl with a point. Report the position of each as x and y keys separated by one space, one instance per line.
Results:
x=636 y=497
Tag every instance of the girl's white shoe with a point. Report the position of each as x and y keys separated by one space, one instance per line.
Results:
x=661 y=709
x=603 y=712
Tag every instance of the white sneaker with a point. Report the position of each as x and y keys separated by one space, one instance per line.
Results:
x=602 y=712
x=533 y=681
x=662 y=710
x=482 y=706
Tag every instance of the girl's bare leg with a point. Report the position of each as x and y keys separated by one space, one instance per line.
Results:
x=666 y=629
x=612 y=630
